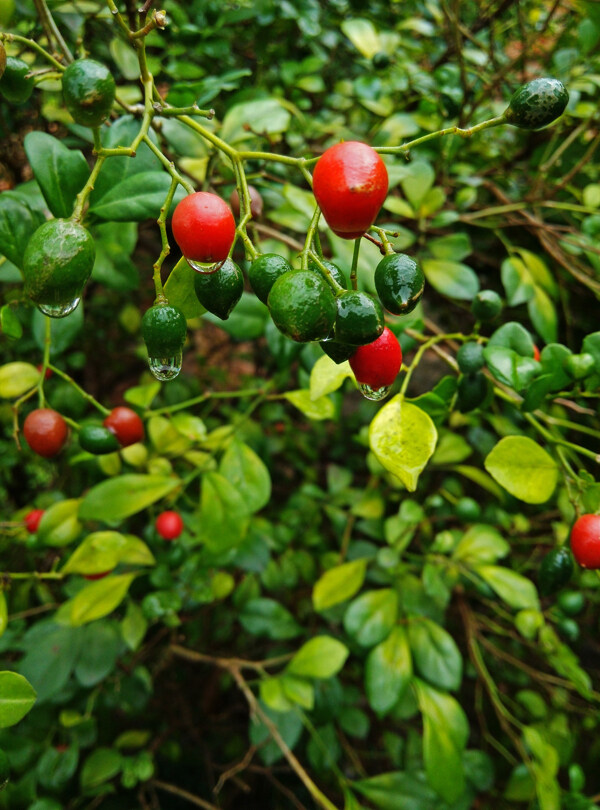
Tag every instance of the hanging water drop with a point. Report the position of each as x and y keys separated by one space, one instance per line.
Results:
x=206 y=269
x=166 y=368
x=374 y=394
x=59 y=310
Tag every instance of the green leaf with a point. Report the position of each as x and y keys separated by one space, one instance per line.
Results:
x=247 y=472
x=370 y=617
x=3 y=613
x=9 y=323
x=338 y=584
x=480 y=544
x=180 y=291
x=134 y=626
x=363 y=35
x=272 y=695
x=543 y=315
x=514 y=589
x=60 y=172
x=266 y=617
x=120 y=497
x=299 y=690
x=513 y=335
x=397 y=789
x=97 y=600
x=266 y=115
x=435 y=654
x=326 y=377
x=224 y=515
x=59 y=525
x=455 y=246
x=418 y=179
x=17 y=224
x=454 y=279
x=142 y=396
x=17 y=378
x=64 y=330
x=445 y=734
x=51 y=652
x=545 y=767
x=101 y=765
x=523 y=468
x=403 y=438
x=17 y=697
x=591 y=345
x=99 y=651
x=312 y=408
x=388 y=671
x=517 y=281
x=103 y=551
x=247 y=321
x=321 y=657
x=134 y=199
x=539 y=271
x=451 y=449
x=289 y=725
x=510 y=368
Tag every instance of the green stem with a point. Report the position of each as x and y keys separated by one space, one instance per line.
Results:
x=421 y=351
x=5 y=37
x=167 y=112
x=354 y=269
x=166 y=248
x=51 y=28
x=463 y=133
x=46 y=357
x=33 y=575
x=81 y=198
x=247 y=392
x=245 y=209
x=88 y=397
x=168 y=164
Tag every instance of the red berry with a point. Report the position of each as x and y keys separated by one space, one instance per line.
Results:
x=585 y=541
x=350 y=183
x=377 y=364
x=48 y=373
x=204 y=227
x=126 y=425
x=169 y=525
x=45 y=431
x=536 y=353
x=32 y=520
x=99 y=575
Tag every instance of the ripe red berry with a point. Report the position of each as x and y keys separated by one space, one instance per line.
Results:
x=126 y=425
x=585 y=541
x=536 y=353
x=256 y=202
x=350 y=183
x=47 y=374
x=169 y=525
x=32 y=520
x=204 y=227
x=45 y=431
x=377 y=364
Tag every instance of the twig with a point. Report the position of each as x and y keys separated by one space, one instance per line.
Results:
x=183 y=794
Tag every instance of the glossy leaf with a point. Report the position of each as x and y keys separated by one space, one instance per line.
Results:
x=326 y=377
x=17 y=697
x=60 y=172
x=266 y=617
x=480 y=544
x=97 y=599
x=248 y=474
x=435 y=654
x=321 y=408
x=103 y=551
x=224 y=515
x=17 y=378
x=180 y=290
x=321 y=657
x=403 y=438
x=134 y=199
x=118 y=498
x=514 y=589
x=339 y=584
x=370 y=617
x=388 y=671
x=523 y=468
x=454 y=279
x=17 y=224
x=60 y=525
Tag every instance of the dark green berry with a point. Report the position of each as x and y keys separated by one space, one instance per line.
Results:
x=89 y=91
x=14 y=84
x=571 y=602
x=487 y=305
x=555 y=570
x=472 y=391
x=470 y=357
x=98 y=440
x=338 y=352
x=220 y=291
x=264 y=272
x=537 y=103
x=334 y=271
x=359 y=318
x=164 y=329
x=399 y=282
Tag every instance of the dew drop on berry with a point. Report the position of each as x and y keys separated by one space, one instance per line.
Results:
x=374 y=394
x=59 y=310
x=166 y=368
x=206 y=269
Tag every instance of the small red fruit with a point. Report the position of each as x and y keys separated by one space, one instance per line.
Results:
x=47 y=374
x=99 y=575
x=350 y=183
x=377 y=364
x=45 y=431
x=32 y=520
x=126 y=425
x=585 y=541
x=204 y=227
x=536 y=353
x=169 y=525
x=256 y=202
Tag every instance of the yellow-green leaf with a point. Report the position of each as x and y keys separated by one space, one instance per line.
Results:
x=97 y=600
x=327 y=376
x=403 y=438
x=338 y=584
x=523 y=468
x=321 y=408
x=16 y=378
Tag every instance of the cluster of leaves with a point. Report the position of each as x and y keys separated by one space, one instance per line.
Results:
x=364 y=582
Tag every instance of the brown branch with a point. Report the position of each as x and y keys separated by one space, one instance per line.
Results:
x=183 y=794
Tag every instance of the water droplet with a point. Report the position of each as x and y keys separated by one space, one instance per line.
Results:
x=375 y=394
x=166 y=368
x=207 y=269
x=59 y=310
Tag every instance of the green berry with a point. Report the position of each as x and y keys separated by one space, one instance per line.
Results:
x=220 y=291
x=164 y=329
x=537 y=103
x=470 y=357
x=89 y=91
x=472 y=391
x=579 y=366
x=555 y=570
x=571 y=602
x=486 y=305
x=467 y=509
x=302 y=306
x=359 y=318
x=14 y=85
x=399 y=282
x=264 y=272
x=568 y=628
x=338 y=352
x=98 y=440
x=333 y=269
